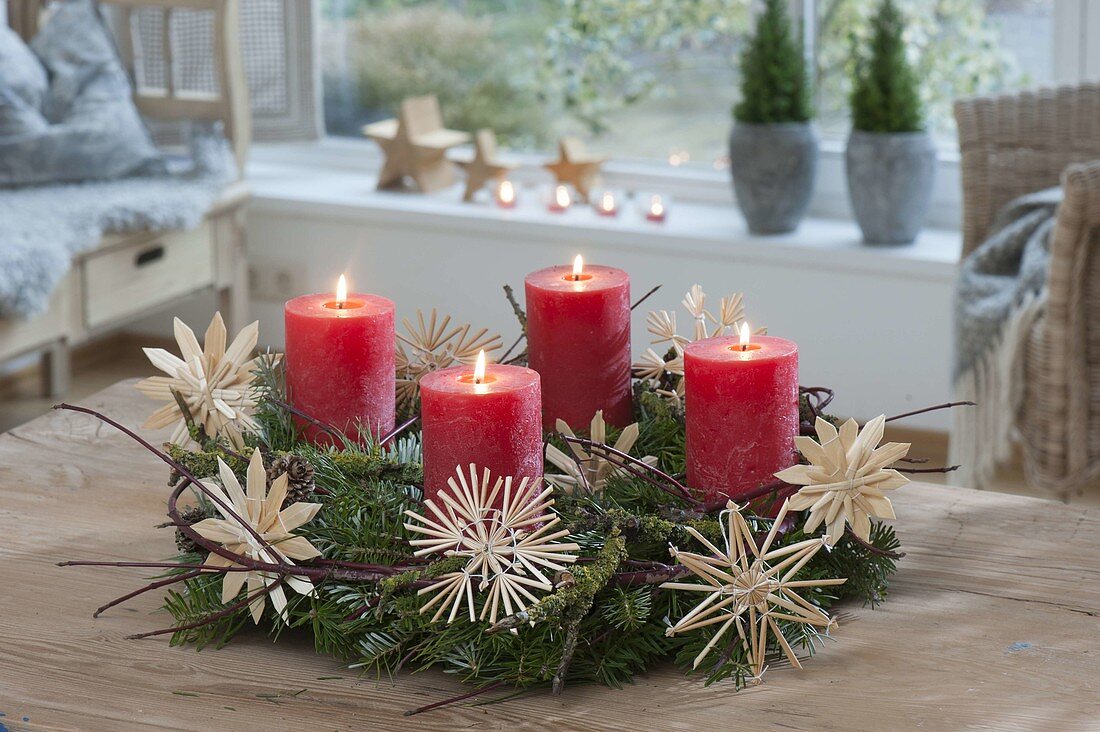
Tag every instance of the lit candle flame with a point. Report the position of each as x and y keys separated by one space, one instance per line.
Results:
x=479 y=368
x=506 y=193
x=342 y=290
x=578 y=267
x=561 y=197
x=607 y=202
x=656 y=207
x=745 y=336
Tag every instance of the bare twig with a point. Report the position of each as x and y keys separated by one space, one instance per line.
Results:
x=520 y=315
x=211 y=618
x=945 y=405
x=519 y=339
x=151 y=586
x=637 y=468
x=398 y=430
x=946 y=469
x=323 y=426
x=569 y=647
x=455 y=699
x=644 y=297
x=178 y=466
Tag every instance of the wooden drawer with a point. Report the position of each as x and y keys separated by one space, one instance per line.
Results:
x=19 y=335
x=139 y=276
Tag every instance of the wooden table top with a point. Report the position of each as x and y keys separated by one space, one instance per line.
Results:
x=991 y=623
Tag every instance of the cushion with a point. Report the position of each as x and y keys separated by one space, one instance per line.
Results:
x=23 y=87
x=91 y=128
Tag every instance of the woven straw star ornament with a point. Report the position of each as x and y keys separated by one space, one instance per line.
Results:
x=750 y=588
x=261 y=509
x=213 y=382
x=509 y=549
x=589 y=472
x=847 y=479
x=665 y=372
x=435 y=344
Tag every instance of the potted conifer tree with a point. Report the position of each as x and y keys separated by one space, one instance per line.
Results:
x=773 y=146
x=891 y=158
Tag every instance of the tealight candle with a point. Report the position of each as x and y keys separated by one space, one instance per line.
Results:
x=487 y=415
x=340 y=362
x=578 y=339
x=657 y=211
x=560 y=201
x=606 y=205
x=506 y=194
x=741 y=406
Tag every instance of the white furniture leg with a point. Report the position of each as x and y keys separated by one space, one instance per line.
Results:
x=56 y=369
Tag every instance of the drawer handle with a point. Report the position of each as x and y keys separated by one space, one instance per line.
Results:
x=149 y=256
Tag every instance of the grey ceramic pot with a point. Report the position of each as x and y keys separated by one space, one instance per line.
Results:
x=890 y=178
x=773 y=168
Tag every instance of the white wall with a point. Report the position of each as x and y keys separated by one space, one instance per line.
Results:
x=872 y=324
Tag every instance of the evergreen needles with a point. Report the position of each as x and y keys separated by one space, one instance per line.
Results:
x=604 y=620
x=885 y=92
x=774 y=84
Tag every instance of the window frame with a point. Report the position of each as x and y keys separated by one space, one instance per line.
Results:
x=1076 y=59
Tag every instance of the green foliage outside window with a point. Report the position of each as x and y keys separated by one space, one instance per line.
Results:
x=536 y=68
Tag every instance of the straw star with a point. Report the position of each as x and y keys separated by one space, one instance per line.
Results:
x=847 y=478
x=590 y=472
x=434 y=344
x=750 y=588
x=261 y=508
x=508 y=549
x=665 y=372
x=213 y=382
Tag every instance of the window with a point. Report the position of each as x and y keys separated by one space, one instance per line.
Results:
x=652 y=80
x=959 y=48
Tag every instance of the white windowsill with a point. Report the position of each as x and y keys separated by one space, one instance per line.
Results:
x=324 y=185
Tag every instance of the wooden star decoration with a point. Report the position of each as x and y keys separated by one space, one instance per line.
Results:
x=847 y=478
x=576 y=167
x=750 y=588
x=508 y=549
x=485 y=167
x=415 y=145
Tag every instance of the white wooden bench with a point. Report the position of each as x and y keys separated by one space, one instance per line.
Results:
x=128 y=276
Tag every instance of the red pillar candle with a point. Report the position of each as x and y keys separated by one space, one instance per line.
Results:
x=488 y=416
x=742 y=412
x=578 y=339
x=340 y=362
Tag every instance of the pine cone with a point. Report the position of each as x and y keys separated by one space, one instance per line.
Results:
x=191 y=515
x=299 y=473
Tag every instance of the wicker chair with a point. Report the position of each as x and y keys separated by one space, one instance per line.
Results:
x=1011 y=145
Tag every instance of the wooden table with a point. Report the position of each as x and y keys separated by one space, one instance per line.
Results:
x=991 y=624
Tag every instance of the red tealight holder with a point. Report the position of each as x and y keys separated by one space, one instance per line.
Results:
x=505 y=194
x=560 y=200
x=606 y=204
x=657 y=210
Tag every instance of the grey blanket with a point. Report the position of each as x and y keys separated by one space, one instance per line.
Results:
x=1002 y=272
x=1000 y=292
x=42 y=227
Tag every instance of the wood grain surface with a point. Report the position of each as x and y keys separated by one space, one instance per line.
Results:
x=991 y=624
